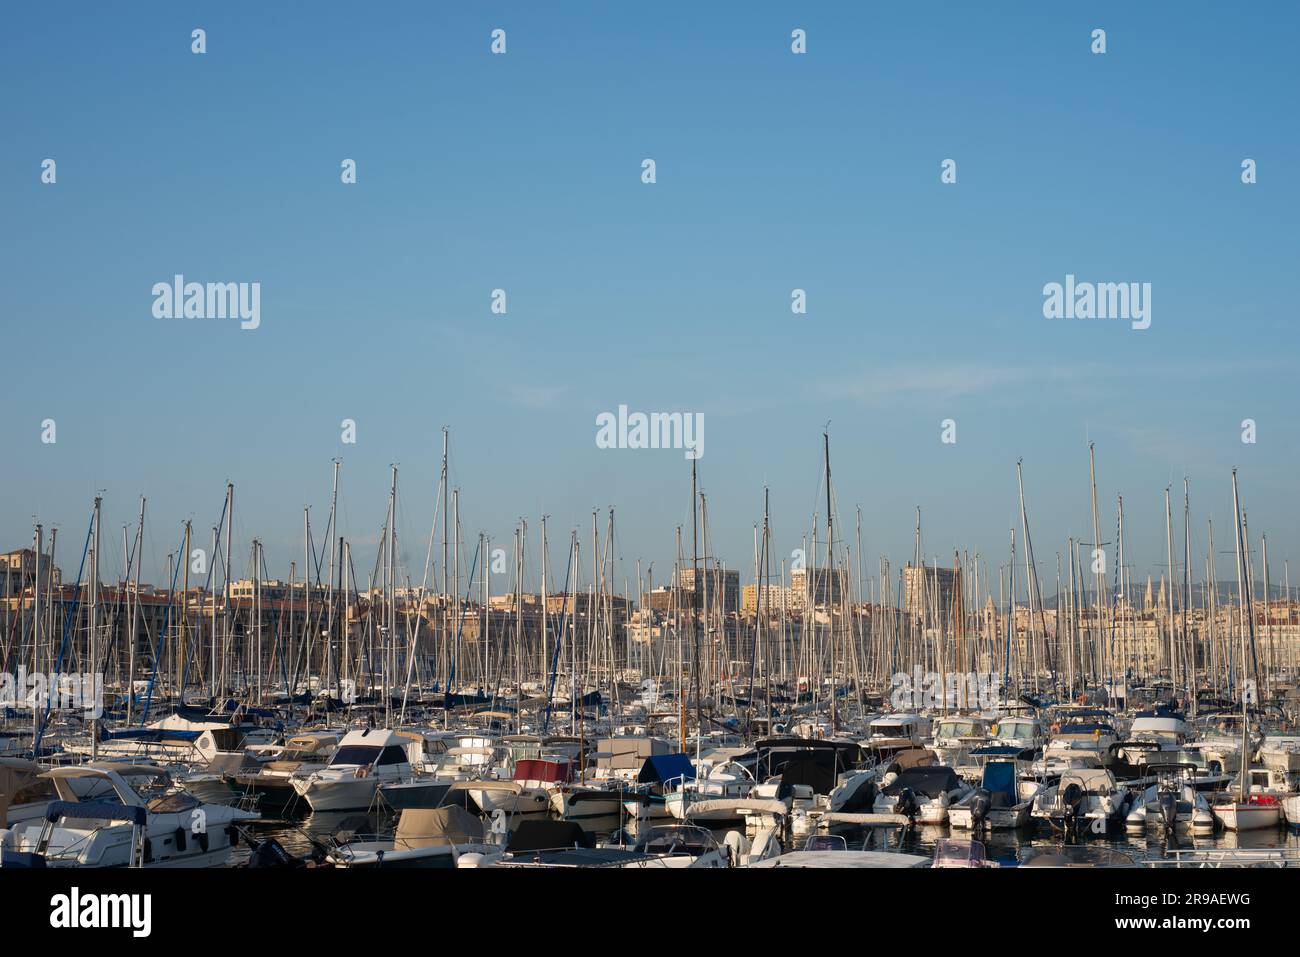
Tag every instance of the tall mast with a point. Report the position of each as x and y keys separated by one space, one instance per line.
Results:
x=336 y=564
x=830 y=581
x=212 y=596
x=93 y=638
x=695 y=606
x=183 y=638
x=1189 y=670
x=1169 y=596
x=1099 y=581
x=444 y=663
x=1248 y=628
x=135 y=618
x=226 y=584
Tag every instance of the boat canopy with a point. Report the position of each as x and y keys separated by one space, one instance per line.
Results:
x=1092 y=780
x=1000 y=778
x=430 y=827
x=930 y=781
x=95 y=811
x=1007 y=751
x=148 y=734
x=537 y=769
x=547 y=836
x=661 y=768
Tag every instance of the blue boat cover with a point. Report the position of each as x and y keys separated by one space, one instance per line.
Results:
x=95 y=811
x=666 y=767
x=148 y=734
x=1000 y=778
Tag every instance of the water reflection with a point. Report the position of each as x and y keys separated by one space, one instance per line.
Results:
x=1003 y=847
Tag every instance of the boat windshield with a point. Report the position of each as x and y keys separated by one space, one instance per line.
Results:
x=355 y=754
x=691 y=841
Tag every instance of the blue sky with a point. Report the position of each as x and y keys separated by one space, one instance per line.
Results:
x=775 y=172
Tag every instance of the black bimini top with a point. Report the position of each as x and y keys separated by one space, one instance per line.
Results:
x=548 y=836
x=930 y=781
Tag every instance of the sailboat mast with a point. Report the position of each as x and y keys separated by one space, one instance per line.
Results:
x=830 y=579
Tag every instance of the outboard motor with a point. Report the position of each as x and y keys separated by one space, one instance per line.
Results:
x=1072 y=801
x=1168 y=800
x=270 y=853
x=979 y=808
x=906 y=803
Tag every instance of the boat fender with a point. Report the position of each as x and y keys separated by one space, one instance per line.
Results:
x=203 y=841
x=180 y=839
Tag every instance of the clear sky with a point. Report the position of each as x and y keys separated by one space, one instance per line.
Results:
x=775 y=171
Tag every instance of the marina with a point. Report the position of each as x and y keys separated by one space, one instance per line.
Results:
x=365 y=571
x=313 y=723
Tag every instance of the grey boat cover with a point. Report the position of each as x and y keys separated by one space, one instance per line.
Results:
x=427 y=827
x=930 y=781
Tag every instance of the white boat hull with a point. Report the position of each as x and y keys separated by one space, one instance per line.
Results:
x=345 y=794
x=1248 y=817
x=1291 y=808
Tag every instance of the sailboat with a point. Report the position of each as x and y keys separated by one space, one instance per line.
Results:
x=1248 y=812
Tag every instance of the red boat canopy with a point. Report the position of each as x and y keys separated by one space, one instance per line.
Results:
x=538 y=770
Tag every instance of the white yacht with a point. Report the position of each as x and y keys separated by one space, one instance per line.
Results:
x=363 y=761
x=120 y=827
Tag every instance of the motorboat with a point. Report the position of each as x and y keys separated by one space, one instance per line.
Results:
x=1003 y=799
x=270 y=784
x=1079 y=730
x=1017 y=731
x=535 y=779
x=900 y=727
x=1084 y=800
x=814 y=774
x=576 y=801
x=125 y=827
x=363 y=761
x=660 y=776
x=678 y=846
x=1172 y=805
x=1161 y=725
x=721 y=784
x=424 y=838
x=440 y=781
x=924 y=794
x=1255 y=812
x=956 y=736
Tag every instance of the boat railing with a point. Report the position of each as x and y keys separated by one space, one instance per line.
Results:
x=1213 y=857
